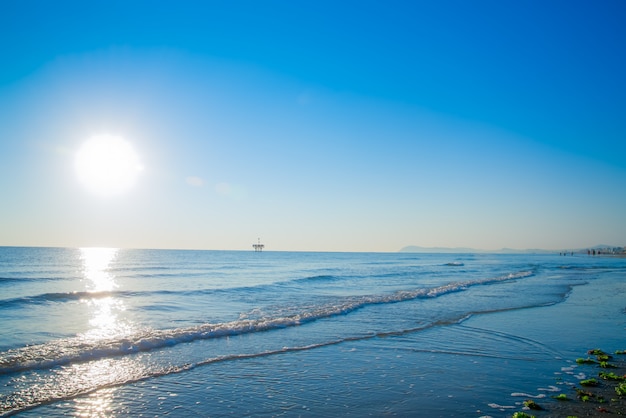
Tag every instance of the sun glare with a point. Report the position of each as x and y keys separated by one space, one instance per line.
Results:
x=107 y=165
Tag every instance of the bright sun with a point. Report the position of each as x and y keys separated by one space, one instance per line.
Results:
x=107 y=165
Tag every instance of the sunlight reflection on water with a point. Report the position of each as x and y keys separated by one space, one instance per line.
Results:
x=104 y=323
x=105 y=374
x=103 y=311
x=97 y=404
x=96 y=262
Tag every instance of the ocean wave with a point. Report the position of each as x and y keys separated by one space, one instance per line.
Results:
x=317 y=278
x=60 y=297
x=32 y=279
x=12 y=279
x=82 y=348
x=23 y=400
x=177 y=268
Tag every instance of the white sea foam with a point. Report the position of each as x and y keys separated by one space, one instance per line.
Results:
x=549 y=389
x=528 y=395
x=64 y=351
x=501 y=407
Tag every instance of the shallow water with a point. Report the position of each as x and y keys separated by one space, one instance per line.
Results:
x=108 y=332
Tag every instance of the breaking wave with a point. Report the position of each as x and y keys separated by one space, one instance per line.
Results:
x=83 y=348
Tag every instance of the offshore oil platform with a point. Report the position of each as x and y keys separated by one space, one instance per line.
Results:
x=258 y=247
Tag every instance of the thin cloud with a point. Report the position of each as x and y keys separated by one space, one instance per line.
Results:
x=194 y=181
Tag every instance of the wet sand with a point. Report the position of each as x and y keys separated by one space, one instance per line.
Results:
x=593 y=317
x=590 y=400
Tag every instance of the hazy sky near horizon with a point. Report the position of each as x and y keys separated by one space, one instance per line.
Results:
x=317 y=125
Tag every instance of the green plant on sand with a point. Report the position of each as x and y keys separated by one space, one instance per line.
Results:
x=604 y=394
x=583 y=395
x=607 y=365
x=589 y=382
x=600 y=355
x=611 y=376
x=532 y=405
x=522 y=415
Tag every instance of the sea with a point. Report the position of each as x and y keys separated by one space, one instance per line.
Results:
x=131 y=332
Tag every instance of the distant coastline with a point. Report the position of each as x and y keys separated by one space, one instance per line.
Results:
x=595 y=250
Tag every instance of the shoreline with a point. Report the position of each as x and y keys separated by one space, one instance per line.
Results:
x=596 y=395
x=479 y=352
x=592 y=317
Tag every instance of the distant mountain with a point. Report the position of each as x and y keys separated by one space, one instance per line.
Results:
x=462 y=250
x=527 y=251
x=417 y=249
x=602 y=246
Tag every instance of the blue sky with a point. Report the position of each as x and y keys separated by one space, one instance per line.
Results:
x=317 y=125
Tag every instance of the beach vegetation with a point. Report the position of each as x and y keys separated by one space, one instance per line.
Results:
x=589 y=382
x=611 y=376
x=600 y=355
x=561 y=397
x=620 y=352
x=621 y=389
x=582 y=394
x=532 y=405
x=607 y=365
x=522 y=415
x=585 y=361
